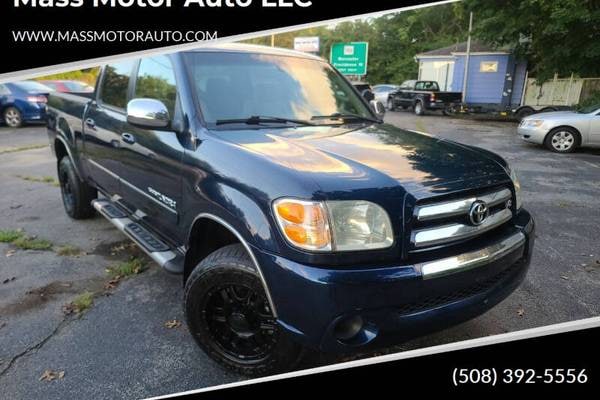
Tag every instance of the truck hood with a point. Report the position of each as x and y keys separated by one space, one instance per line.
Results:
x=342 y=159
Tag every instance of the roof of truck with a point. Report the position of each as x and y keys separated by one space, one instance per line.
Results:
x=253 y=48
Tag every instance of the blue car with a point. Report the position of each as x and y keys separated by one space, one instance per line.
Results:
x=22 y=102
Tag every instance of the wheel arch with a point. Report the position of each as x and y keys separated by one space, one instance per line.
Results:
x=212 y=232
x=61 y=149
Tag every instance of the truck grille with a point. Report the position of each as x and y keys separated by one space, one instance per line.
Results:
x=478 y=288
x=456 y=220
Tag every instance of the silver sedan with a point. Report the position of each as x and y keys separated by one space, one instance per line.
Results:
x=563 y=131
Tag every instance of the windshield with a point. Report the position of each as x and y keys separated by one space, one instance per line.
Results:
x=232 y=86
x=33 y=87
x=589 y=109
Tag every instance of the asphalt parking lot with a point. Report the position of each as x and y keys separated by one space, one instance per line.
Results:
x=132 y=342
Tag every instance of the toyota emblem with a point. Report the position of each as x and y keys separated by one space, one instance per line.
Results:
x=479 y=212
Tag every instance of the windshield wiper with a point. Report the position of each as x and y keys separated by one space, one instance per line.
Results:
x=346 y=117
x=261 y=119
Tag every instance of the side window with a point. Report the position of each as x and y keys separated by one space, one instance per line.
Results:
x=4 y=91
x=156 y=80
x=419 y=86
x=115 y=83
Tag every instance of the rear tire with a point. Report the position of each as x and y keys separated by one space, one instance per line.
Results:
x=562 y=140
x=13 y=117
x=390 y=105
x=229 y=316
x=77 y=196
x=418 y=108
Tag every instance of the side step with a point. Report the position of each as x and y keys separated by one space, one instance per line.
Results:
x=170 y=259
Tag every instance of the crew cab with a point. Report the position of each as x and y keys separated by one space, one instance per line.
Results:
x=296 y=217
x=422 y=96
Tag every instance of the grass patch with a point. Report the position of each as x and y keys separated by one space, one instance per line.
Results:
x=29 y=243
x=132 y=267
x=68 y=251
x=44 y=179
x=82 y=302
x=9 y=236
x=23 y=148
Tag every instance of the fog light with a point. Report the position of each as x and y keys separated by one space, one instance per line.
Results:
x=347 y=328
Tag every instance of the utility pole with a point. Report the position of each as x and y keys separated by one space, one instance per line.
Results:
x=467 y=59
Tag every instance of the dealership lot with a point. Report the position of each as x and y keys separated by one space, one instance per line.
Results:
x=121 y=348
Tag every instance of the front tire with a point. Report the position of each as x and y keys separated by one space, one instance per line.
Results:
x=77 y=196
x=229 y=316
x=13 y=117
x=563 y=140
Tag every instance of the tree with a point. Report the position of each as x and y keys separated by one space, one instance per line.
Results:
x=564 y=35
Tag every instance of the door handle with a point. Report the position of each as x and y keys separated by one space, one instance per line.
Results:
x=90 y=123
x=128 y=138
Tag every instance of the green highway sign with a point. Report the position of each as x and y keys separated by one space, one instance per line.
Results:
x=350 y=58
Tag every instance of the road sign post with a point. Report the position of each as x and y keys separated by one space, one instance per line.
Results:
x=350 y=58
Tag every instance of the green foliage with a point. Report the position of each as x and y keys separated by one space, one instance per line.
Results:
x=82 y=302
x=132 y=267
x=9 y=236
x=592 y=100
x=29 y=243
x=394 y=40
x=86 y=75
x=565 y=34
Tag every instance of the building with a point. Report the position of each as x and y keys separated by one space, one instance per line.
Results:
x=495 y=78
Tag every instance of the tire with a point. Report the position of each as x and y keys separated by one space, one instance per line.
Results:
x=562 y=140
x=390 y=105
x=13 y=117
x=418 y=108
x=77 y=196
x=525 y=112
x=228 y=314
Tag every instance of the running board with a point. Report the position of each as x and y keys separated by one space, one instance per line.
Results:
x=170 y=259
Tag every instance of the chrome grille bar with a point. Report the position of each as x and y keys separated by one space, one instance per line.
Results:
x=452 y=232
x=459 y=207
x=466 y=261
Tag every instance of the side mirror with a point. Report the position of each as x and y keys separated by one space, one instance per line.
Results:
x=378 y=107
x=368 y=95
x=148 y=113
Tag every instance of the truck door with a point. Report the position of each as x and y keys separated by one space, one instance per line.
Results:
x=152 y=159
x=103 y=123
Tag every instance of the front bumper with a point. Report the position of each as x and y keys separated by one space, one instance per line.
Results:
x=532 y=134
x=395 y=303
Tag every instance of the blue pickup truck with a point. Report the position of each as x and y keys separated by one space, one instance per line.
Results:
x=296 y=217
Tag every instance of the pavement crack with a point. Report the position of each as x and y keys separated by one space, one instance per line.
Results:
x=35 y=347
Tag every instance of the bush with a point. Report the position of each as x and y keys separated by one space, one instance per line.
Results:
x=591 y=100
x=87 y=75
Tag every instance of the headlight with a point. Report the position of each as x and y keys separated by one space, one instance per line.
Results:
x=517 y=184
x=334 y=225
x=533 y=123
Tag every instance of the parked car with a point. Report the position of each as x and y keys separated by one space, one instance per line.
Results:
x=22 y=102
x=422 y=96
x=382 y=92
x=68 y=86
x=364 y=89
x=296 y=218
x=563 y=131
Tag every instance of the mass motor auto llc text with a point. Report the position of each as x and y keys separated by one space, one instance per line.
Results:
x=161 y=3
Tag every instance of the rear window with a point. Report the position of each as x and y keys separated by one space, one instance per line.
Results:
x=115 y=84
x=33 y=87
